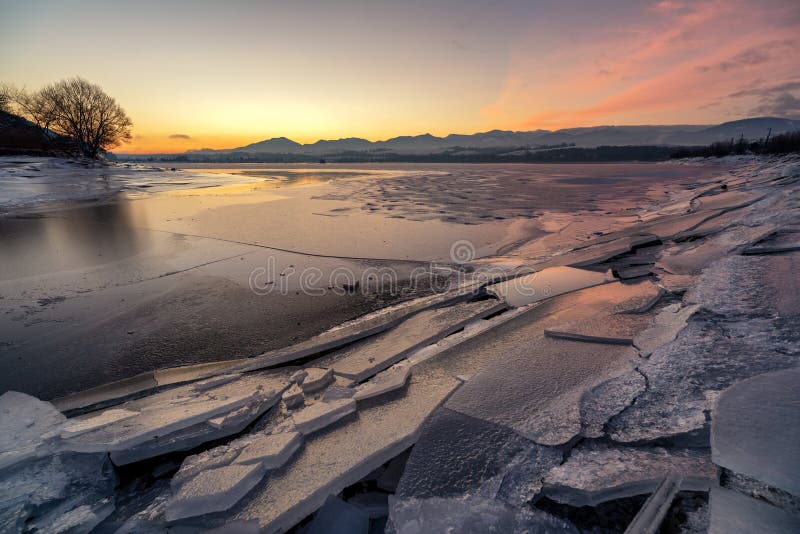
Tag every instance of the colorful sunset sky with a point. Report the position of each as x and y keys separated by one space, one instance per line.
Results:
x=199 y=74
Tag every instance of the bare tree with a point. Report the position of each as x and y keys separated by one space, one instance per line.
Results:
x=5 y=98
x=76 y=109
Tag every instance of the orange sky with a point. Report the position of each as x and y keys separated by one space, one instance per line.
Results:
x=206 y=74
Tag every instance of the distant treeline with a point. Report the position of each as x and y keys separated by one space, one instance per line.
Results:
x=566 y=154
x=777 y=144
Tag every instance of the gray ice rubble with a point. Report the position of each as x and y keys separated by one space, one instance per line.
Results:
x=546 y=283
x=321 y=414
x=595 y=473
x=293 y=397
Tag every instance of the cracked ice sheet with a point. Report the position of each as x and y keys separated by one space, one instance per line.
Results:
x=597 y=472
x=547 y=283
x=177 y=409
x=27 y=424
x=755 y=329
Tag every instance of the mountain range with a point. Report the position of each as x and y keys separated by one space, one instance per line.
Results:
x=665 y=135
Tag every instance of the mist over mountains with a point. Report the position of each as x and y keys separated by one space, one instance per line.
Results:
x=497 y=144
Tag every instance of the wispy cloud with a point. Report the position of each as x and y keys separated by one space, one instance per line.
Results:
x=180 y=136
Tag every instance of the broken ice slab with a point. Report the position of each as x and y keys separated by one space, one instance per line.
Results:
x=726 y=200
x=204 y=461
x=471 y=515
x=321 y=414
x=116 y=392
x=599 y=253
x=692 y=258
x=536 y=389
x=395 y=377
x=359 y=328
x=370 y=356
x=340 y=456
x=665 y=326
x=668 y=227
x=81 y=424
x=546 y=283
x=597 y=472
x=214 y=381
x=315 y=379
x=780 y=241
x=169 y=412
x=214 y=490
x=270 y=450
x=755 y=429
x=614 y=329
x=733 y=512
x=28 y=426
x=339 y=517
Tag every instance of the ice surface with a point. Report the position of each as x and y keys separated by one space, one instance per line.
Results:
x=321 y=414
x=342 y=455
x=595 y=472
x=316 y=379
x=339 y=517
x=755 y=429
x=81 y=424
x=214 y=490
x=734 y=512
x=28 y=425
x=375 y=354
x=665 y=326
x=395 y=377
x=470 y=515
x=546 y=283
x=270 y=450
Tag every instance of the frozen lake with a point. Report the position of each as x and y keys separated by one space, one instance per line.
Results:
x=108 y=272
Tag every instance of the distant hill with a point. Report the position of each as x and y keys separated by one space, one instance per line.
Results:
x=492 y=145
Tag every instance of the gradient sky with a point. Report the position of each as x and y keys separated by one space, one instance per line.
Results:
x=222 y=74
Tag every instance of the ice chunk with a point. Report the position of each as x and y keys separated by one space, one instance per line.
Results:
x=391 y=379
x=336 y=392
x=321 y=414
x=470 y=515
x=600 y=404
x=595 y=473
x=339 y=517
x=316 y=379
x=81 y=424
x=547 y=283
x=270 y=450
x=215 y=381
x=205 y=461
x=755 y=429
x=293 y=397
x=370 y=356
x=214 y=490
x=27 y=424
x=652 y=512
x=734 y=512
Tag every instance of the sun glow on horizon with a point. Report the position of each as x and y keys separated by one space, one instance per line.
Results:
x=205 y=75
